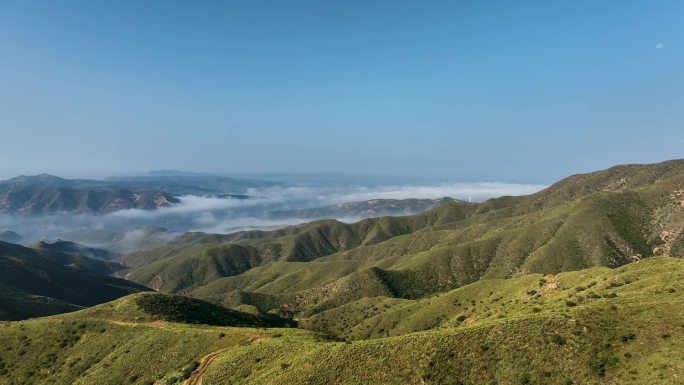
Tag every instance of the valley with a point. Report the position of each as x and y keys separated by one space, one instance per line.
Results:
x=341 y=192
x=558 y=287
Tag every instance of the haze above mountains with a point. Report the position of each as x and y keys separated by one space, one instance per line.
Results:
x=606 y=218
x=577 y=283
x=372 y=192
x=125 y=209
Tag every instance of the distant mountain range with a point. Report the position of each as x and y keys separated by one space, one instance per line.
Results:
x=48 y=194
x=189 y=184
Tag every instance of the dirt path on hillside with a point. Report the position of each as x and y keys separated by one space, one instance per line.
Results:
x=154 y=324
x=196 y=376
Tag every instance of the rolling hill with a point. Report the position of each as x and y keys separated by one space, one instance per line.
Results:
x=162 y=307
x=606 y=218
x=37 y=282
x=593 y=326
x=564 y=286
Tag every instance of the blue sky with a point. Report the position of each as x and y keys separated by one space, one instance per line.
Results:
x=526 y=91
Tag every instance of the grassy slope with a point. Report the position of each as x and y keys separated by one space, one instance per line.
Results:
x=139 y=339
x=590 y=346
x=93 y=351
x=181 y=266
x=604 y=218
x=150 y=307
x=635 y=337
x=632 y=335
x=599 y=230
x=41 y=282
x=491 y=300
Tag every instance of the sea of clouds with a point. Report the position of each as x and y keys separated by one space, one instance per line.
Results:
x=224 y=215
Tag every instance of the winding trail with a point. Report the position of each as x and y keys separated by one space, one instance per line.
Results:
x=154 y=324
x=196 y=376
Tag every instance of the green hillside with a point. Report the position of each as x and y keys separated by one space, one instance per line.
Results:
x=565 y=286
x=491 y=300
x=37 y=282
x=593 y=326
x=606 y=218
x=150 y=307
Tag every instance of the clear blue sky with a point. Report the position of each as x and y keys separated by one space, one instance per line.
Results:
x=477 y=90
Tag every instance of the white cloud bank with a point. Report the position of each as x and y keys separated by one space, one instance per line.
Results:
x=226 y=215
x=275 y=198
x=477 y=191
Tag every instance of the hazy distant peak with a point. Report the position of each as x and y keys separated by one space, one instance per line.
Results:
x=176 y=173
x=10 y=236
x=39 y=178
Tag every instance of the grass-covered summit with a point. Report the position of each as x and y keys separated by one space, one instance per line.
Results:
x=151 y=307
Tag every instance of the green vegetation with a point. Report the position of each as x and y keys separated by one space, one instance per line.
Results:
x=634 y=337
x=37 y=282
x=150 y=307
x=90 y=351
x=488 y=301
x=607 y=218
x=565 y=286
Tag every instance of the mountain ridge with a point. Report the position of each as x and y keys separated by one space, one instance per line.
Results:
x=596 y=326
x=38 y=282
x=49 y=194
x=605 y=218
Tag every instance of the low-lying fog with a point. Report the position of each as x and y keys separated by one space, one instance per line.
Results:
x=129 y=228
